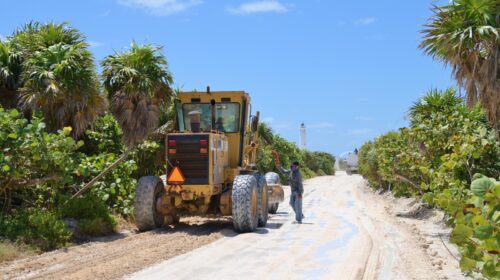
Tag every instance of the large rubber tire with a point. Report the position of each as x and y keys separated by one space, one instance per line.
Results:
x=245 y=203
x=263 y=200
x=274 y=208
x=148 y=189
x=272 y=178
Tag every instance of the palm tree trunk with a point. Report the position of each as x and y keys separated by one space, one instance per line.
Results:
x=103 y=173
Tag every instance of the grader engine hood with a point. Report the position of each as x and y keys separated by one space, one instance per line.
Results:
x=191 y=154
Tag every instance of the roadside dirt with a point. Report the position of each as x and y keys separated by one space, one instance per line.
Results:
x=410 y=240
x=349 y=232
x=118 y=255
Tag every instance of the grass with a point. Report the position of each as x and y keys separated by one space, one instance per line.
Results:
x=11 y=251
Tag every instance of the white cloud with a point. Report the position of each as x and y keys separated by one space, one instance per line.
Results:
x=365 y=21
x=267 y=6
x=361 y=131
x=94 y=44
x=161 y=7
x=364 y=119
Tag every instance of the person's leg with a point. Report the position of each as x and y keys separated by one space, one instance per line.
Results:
x=293 y=197
x=298 y=209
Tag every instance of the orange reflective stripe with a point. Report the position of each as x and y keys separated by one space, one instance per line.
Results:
x=176 y=176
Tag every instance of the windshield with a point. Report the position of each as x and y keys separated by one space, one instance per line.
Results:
x=227 y=116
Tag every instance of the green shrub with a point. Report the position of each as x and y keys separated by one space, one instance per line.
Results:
x=307 y=173
x=476 y=229
x=31 y=157
x=368 y=164
x=317 y=161
x=97 y=226
x=150 y=158
x=92 y=215
x=37 y=227
x=117 y=188
x=105 y=137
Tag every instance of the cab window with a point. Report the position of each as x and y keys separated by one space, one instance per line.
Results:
x=227 y=116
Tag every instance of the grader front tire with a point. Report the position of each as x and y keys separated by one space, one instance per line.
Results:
x=274 y=208
x=262 y=211
x=245 y=203
x=148 y=189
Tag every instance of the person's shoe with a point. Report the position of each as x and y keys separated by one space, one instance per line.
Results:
x=299 y=222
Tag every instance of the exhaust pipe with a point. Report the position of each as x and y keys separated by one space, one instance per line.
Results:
x=212 y=102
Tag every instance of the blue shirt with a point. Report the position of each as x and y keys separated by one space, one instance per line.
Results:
x=295 y=179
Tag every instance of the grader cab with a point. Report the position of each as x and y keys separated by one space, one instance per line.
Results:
x=211 y=166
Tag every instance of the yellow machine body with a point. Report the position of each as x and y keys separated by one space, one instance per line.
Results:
x=209 y=156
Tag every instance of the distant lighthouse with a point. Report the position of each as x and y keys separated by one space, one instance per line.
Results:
x=302 y=143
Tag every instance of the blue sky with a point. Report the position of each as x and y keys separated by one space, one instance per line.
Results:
x=348 y=69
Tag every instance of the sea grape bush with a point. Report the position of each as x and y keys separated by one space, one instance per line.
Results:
x=31 y=157
x=477 y=228
x=39 y=168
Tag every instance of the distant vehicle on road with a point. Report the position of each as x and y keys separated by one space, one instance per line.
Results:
x=349 y=162
x=352 y=163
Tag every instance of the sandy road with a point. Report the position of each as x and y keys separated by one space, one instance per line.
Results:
x=348 y=233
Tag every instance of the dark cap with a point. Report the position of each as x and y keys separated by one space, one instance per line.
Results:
x=296 y=163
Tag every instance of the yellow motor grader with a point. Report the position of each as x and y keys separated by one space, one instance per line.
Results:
x=211 y=166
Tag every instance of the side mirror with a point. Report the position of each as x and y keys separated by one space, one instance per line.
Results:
x=255 y=123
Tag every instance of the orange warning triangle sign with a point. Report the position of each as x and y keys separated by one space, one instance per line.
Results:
x=176 y=177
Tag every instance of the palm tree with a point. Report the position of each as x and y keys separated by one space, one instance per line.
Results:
x=56 y=76
x=138 y=83
x=434 y=100
x=60 y=81
x=10 y=74
x=35 y=36
x=466 y=36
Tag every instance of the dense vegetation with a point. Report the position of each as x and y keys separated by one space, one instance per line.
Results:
x=60 y=128
x=445 y=157
x=450 y=155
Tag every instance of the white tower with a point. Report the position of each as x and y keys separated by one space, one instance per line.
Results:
x=302 y=143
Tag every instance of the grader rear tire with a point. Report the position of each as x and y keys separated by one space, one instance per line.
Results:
x=245 y=203
x=263 y=197
x=148 y=189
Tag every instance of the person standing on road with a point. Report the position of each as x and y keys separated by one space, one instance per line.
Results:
x=297 y=189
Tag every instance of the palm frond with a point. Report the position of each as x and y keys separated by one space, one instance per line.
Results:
x=138 y=83
x=465 y=35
